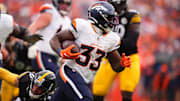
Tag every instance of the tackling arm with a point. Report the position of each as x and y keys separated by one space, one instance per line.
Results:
x=9 y=77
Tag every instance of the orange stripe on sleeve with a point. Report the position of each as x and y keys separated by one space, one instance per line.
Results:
x=74 y=24
x=44 y=7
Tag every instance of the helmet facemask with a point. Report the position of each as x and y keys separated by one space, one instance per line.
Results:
x=42 y=85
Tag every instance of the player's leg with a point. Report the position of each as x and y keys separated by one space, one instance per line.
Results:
x=45 y=61
x=129 y=78
x=103 y=80
x=71 y=86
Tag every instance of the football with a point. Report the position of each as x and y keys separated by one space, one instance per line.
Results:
x=68 y=43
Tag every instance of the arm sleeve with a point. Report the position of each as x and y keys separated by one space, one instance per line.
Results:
x=130 y=42
x=8 y=76
x=46 y=8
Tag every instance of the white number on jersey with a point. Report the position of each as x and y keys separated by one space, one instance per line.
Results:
x=120 y=29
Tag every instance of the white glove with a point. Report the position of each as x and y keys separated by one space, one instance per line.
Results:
x=32 y=52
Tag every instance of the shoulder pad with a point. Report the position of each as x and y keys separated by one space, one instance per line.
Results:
x=133 y=11
x=77 y=22
x=22 y=74
x=136 y=18
x=45 y=7
x=25 y=75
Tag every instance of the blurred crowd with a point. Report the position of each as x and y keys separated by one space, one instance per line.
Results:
x=159 y=43
x=159 y=47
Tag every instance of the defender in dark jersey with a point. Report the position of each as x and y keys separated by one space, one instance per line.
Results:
x=128 y=29
x=31 y=86
x=36 y=86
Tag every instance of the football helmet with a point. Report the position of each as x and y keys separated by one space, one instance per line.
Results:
x=102 y=15
x=119 y=5
x=43 y=84
x=62 y=5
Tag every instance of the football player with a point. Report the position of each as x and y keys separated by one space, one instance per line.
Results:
x=9 y=27
x=128 y=29
x=31 y=86
x=96 y=40
x=53 y=17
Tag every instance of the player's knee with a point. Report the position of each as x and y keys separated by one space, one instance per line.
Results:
x=101 y=91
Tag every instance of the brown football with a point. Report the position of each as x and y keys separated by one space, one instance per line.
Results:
x=68 y=43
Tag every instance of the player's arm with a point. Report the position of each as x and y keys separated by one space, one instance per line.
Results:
x=132 y=34
x=41 y=22
x=59 y=37
x=117 y=62
x=55 y=43
x=23 y=33
x=9 y=77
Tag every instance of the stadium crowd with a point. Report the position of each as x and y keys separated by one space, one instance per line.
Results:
x=159 y=43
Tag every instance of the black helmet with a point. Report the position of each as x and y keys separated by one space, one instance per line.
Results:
x=119 y=5
x=102 y=15
x=63 y=10
x=44 y=83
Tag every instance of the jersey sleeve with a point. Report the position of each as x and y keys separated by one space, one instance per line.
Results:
x=136 y=18
x=115 y=42
x=46 y=8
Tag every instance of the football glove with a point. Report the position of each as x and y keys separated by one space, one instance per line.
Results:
x=125 y=61
x=32 y=39
x=67 y=54
x=32 y=52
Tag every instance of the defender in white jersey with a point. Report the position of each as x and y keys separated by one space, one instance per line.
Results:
x=6 y=28
x=9 y=27
x=96 y=41
x=52 y=18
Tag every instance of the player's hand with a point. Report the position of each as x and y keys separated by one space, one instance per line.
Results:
x=125 y=61
x=33 y=38
x=67 y=54
x=32 y=51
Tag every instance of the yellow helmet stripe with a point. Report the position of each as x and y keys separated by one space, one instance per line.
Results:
x=42 y=77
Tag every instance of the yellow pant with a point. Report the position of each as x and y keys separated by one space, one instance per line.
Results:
x=8 y=91
x=128 y=78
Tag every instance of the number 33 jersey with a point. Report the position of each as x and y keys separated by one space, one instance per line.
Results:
x=93 y=47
